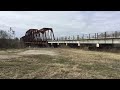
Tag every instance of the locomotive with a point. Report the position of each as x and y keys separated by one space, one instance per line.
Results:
x=38 y=37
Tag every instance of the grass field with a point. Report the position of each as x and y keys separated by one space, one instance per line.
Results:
x=58 y=63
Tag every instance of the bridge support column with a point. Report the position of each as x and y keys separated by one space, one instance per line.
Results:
x=66 y=44
x=97 y=45
x=78 y=44
x=51 y=43
x=58 y=44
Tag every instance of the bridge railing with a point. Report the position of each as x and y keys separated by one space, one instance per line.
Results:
x=100 y=35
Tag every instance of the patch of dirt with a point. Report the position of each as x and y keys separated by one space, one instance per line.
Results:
x=6 y=57
x=37 y=52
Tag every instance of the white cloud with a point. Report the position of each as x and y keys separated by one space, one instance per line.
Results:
x=63 y=22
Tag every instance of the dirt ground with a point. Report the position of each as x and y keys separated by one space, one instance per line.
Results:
x=58 y=63
x=15 y=54
x=37 y=52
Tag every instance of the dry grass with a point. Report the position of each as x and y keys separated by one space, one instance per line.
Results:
x=58 y=63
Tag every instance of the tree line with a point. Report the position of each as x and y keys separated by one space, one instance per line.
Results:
x=7 y=41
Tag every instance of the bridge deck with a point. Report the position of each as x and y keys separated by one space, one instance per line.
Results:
x=90 y=41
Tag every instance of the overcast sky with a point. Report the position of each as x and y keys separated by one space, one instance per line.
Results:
x=63 y=22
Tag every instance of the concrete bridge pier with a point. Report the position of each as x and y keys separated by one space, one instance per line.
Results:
x=78 y=44
x=66 y=44
x=51 y=44
x=97 y=45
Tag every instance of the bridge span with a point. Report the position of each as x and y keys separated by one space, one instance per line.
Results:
x=115 y=42
x=45 y=37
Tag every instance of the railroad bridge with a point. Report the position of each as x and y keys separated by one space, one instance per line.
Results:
x=108 y=42
x=45 y=36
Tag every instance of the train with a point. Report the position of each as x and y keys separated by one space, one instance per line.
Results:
x=39 y=37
